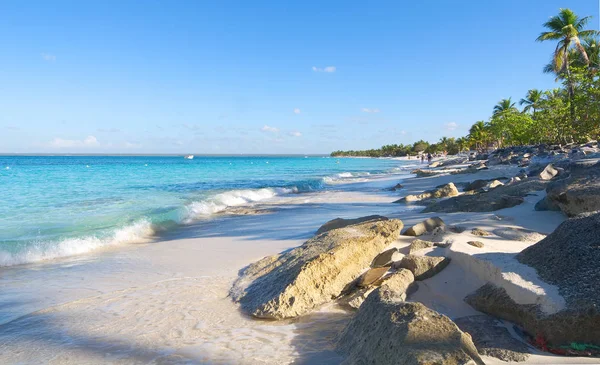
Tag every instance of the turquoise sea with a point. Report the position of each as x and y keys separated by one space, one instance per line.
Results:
x=54 y=206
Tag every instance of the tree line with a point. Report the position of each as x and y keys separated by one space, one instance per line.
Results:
x=566 y=114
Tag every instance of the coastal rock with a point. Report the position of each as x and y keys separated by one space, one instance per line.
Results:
x=418 y=245
x=341 y=222
x=480 y=232
x=492 y=339
x=371 y=276
x=402 y=281
x=549 y=172
x=299 y=280
x=494 y=184
x=569 y=258
x=519 y=234
x=444 y=191
x=389 y=331
x=385 y=259
x=558 y=329
x=546 y=204
x=506 y=196
x=396 y=187
x=578 y=193
x=428 y=225
x=425 y=173
x=423 y=267
x=477 y=244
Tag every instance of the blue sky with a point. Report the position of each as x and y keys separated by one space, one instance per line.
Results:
x=261 y=77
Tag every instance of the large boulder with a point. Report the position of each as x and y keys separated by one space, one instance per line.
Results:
x=549 y=172
x=402 y=281
x=505 y=196
x=492 y=338
x=427 y=226
x=423 y=267
x=418 y=245
x=443 y=191
x=341 y=222
x=567 y=258
x=387 y=330
x=297 y=281
x=578 y=193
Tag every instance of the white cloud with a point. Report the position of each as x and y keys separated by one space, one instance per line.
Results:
x=270 y=129
x=89 y=141
x=296 y=111
x=295 y=134
x=368 y=110
x=48 y=57
x=324 y=69
x=451 y=126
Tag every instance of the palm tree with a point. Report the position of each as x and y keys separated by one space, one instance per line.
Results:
x=504 y=105
x=567 y=28
x=478 y=134
x=532 y=100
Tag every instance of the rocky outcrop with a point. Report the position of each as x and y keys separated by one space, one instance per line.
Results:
x=476 y=185
x=506 y=196
x=549 y=172
x=385 y=259
x=428 y=225
x=443 y=191
x=477 y=244
x=578 y=193
x=425 y=173
x=402 y=281
x=546 y=204
x=480 y=232
x=519 y=234
x=423 y=267
x=494 y=184
x=418 y=245
x=492 y=338
x=569 y=258
x=557 y=329
x=297 y=281
x=387 y=330
x=341 y=222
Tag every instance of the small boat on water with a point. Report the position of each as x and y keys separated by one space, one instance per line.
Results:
x=189 y=157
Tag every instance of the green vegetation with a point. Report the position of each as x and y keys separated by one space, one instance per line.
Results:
x=570 y=113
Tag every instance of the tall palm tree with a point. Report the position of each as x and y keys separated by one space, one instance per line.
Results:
x=567 y=28
x=532 y=100
x=503 y=106
x=478 y=134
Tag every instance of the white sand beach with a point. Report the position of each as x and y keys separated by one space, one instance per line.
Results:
x=166 y=301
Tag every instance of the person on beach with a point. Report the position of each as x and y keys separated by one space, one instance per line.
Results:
x=422 y=158
x=429 y=157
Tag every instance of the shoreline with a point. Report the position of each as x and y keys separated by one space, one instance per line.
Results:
x=168 y=300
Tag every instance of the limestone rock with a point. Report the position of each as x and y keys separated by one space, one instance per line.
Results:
x=493 y=339
x=428 y=225
x=476 y=185
x=444 y=191
x=401 y=281
x=297 y=281
x=386 y=258
x=480 y=232
x=477 y=244
x=549 y=172
x=578 y=193
x=424 y=173
x=494 y=184
x=371 y=276
x=341 y=222
x=519 y=234
x=388 y=331
x=558 y=329
x=418 y=245
x=506 y=196
x=546 y=204
x=423 y=267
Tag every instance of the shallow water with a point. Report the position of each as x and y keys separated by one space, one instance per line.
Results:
x=55 y=206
